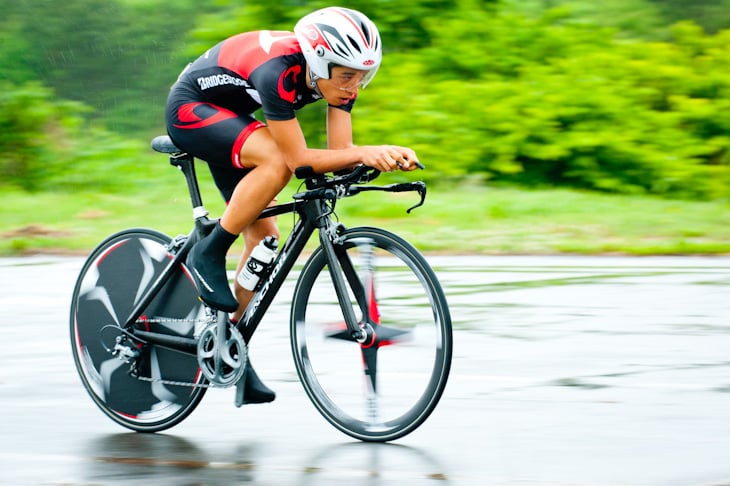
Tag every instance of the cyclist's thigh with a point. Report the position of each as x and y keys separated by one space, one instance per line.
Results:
x=260 y=149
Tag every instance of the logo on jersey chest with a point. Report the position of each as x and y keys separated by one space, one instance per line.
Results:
x=216 y=80
x=288 y=83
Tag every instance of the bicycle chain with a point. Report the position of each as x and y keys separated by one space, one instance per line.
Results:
x=173 y=320
x=178 y=383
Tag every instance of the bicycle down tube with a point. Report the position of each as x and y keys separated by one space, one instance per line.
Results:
x=313 y=216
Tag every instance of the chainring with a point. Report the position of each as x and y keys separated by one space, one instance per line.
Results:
x=222 y=354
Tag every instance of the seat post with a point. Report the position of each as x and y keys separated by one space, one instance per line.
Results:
x=186 y=164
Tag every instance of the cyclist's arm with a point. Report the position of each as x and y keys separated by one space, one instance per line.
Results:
x=289 y=138
x=339 y=129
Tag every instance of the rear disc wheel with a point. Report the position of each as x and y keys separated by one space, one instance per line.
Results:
x=113 y=279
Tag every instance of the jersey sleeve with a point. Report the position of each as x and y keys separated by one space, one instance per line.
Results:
x=276 y=86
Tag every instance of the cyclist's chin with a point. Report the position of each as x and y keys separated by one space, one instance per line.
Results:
x=338 y=100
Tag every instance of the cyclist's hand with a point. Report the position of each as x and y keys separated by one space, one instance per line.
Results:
x=387 y=158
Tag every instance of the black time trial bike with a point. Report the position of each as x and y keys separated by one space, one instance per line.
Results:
x=370 y=328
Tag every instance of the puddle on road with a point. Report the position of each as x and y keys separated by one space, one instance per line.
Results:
x=130 y=458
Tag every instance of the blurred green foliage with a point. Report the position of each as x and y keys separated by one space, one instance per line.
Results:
x=47 y=143
x=567 y=105
x=627 y=96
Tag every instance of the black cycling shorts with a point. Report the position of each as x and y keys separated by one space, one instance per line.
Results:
x=211 y=133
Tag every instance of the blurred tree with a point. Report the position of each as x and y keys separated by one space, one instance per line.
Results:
x=102 y=52
x=401 y=23
x=78 y=52
x=629 y=18
x=46 y=143
x=15 y=48
x=713 y=15
x=25 y=115
x=647 y=19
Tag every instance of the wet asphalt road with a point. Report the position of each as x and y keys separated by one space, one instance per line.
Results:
x=567 y=371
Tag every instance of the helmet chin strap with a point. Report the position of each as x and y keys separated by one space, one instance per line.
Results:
x=313 y=82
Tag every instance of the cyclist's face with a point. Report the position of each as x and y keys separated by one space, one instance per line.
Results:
x=342 y=86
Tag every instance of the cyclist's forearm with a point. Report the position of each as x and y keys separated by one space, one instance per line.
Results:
x=289 y=138
x=381 y=157
x=323 y=160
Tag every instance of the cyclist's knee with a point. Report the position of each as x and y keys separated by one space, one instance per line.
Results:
x=279 y=167
x=271 y=162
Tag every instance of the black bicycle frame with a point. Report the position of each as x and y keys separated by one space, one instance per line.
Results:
x=313 y=215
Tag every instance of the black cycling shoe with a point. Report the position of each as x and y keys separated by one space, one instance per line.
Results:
x=207 y=264
x=250 y=388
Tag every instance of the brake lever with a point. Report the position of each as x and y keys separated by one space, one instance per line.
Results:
x=420 y=187
x=418 y=164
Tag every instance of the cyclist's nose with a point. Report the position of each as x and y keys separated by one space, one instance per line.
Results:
x=349 y=89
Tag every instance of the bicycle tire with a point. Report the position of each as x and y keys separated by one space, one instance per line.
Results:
x=113 y=278
x=400 y=294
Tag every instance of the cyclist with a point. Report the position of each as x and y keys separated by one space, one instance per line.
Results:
x=330 y=55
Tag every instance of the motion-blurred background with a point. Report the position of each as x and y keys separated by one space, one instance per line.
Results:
x=527 y=109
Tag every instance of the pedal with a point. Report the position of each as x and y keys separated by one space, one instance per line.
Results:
x=250 y=389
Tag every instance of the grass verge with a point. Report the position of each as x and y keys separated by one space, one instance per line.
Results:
x=459 y=220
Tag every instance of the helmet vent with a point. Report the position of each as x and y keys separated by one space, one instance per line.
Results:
x=341 y=51
x=365 y=31
x=354 y=43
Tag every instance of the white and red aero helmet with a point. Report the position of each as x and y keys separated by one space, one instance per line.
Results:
x=336 y=36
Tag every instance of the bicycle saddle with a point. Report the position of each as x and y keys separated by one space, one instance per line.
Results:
x=164 y=144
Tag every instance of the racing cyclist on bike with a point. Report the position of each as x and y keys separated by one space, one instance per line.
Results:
x=330 y=55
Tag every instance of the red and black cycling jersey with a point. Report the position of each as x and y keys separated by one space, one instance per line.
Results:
x=261 y=69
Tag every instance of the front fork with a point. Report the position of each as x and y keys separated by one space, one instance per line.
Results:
x=361 y=281
x=328 y=238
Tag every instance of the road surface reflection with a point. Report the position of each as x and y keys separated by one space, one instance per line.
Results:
x=567 y=370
